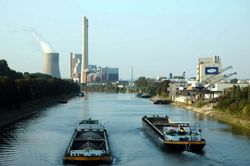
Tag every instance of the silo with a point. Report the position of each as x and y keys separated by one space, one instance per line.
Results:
x=51 y=64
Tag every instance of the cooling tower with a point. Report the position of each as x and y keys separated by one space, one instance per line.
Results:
x=51 y=64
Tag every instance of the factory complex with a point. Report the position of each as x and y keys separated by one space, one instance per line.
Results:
x=211 y=78
x=80 y=69
x=94 y=73
x=211 y=81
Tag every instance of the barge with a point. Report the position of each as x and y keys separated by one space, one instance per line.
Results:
x=176 y=136
x=89 y=144
x=160 y=101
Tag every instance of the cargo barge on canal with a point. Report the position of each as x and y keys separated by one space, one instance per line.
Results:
x=89 y=144
x=176 y=136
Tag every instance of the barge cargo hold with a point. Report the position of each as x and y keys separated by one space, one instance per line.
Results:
x=89 y=144
x=176 y=136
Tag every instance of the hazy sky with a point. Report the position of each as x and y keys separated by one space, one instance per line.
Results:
x=155 y=36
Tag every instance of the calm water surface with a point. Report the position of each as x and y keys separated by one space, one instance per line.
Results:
x=41 y=139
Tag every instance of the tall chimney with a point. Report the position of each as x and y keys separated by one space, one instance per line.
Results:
x=85 y=62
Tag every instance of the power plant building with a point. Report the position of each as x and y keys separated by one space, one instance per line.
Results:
x=85 y=62
x=109 y=74
x=75 y=66
x=51 y=64
x=81 y=71
x=208 y=69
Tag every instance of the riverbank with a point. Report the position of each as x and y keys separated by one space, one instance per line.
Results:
x=28 y=108
x=160 y=100
x=208 y=110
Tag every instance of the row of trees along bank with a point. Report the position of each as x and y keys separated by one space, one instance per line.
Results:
x=16 y=87
x=152 y=87
x=236 y=101
x=104 y=87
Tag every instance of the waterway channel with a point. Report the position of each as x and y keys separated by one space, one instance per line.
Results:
x=42 y=138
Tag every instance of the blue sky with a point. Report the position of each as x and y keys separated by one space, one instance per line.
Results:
x=156 y=37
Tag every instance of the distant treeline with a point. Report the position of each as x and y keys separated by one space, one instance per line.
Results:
x=16 y=87
x=236 y=101
x=107 y=87
x=151 y=87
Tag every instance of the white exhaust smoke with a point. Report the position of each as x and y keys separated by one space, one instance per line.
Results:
x=45 y=46
x=77 y=64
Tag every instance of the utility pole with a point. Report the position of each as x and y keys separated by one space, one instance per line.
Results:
x=132 y=79
x=132 y=75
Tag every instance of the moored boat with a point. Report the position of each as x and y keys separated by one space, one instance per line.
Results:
x=143 y=95
x=89 y=143
x=81 y=94
x=160 y=101
x=62 y=101
x=177 y=136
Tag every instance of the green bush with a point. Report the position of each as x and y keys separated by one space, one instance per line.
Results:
x=200 y=103
x=236 y=101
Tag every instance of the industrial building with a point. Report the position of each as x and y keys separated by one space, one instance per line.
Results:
x=51 y=64
x=210 y=82
x=81 y=71
x=94 y=74
x=208 y=69
x=75 y=64
x=110 y=74
x=99 y=74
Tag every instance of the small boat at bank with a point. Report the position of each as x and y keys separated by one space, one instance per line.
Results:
x=143 y=95
x=81 y=94
x=89 y=143
x=62 y=101
x=160 y=101
x=176 y=136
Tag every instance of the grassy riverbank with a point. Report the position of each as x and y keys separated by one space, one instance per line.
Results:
x=28 y=108
x=209 y=110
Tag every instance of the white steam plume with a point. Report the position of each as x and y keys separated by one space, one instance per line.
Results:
x=45 y=46
x=77 y=65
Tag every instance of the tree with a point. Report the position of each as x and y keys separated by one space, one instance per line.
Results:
x=6 y=71
x=163 y=88
x=236 y=101
x=234 y=81
x=141 y=82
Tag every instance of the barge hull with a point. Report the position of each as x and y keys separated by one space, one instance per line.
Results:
x=82 y=159
x=193 y=146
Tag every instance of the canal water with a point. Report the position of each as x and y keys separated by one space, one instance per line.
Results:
x=42 y=138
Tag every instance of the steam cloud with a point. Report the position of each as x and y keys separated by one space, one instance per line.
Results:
x=77 y=64
x=45 y=46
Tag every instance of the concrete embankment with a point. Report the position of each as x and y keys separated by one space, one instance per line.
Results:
x=27 y=109
x=208 y=110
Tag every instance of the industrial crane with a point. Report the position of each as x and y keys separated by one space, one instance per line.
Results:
x=209 y=80
x=223 y=77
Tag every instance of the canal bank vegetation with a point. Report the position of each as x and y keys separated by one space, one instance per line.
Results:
x=236 y=101
x=152 y=87
x=17 y=87
x=232 y=107
x=112 y=87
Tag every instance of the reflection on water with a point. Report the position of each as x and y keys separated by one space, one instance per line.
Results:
x=42 y=139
